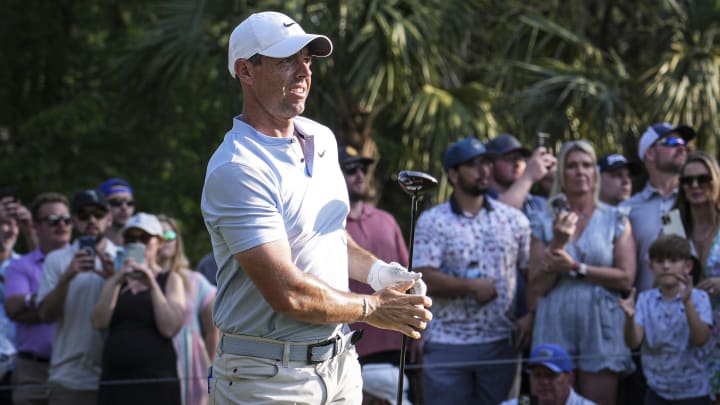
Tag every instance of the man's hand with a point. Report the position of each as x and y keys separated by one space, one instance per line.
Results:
x=383 y=275
x=523 y=330
x=539 y=164
x=483 y=289
x=81 y=262
x=391 y=308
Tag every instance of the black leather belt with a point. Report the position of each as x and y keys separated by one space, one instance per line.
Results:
x=34 y=357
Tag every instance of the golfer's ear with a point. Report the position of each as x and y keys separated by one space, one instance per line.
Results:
x=242 y=71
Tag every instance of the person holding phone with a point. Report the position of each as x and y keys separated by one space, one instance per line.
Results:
x=142 y=308
x=70 y=283
x=698 y=202
x=581 y=259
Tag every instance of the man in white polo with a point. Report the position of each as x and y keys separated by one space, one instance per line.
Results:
x=275 y=203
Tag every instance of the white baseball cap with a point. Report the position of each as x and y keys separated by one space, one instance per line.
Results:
x=147 y=222
x=272 y=34
x=657 y=131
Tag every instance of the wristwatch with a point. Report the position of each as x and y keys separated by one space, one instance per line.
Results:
x=29 y=300
x=579 y=270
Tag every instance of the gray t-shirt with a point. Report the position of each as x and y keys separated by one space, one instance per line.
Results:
x=77 y=348
x=260 y=189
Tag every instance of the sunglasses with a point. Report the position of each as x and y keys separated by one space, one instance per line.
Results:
x=54 y=220
x=117 y=202
x=350 y=170
x=143 y=238
x=701 y=180
x=671 y=142
x=169 y=235
x=84 y=216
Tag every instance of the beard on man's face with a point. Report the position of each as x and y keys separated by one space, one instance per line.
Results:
x=471 y=188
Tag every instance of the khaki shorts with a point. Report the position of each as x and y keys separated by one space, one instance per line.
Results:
x=251 y=380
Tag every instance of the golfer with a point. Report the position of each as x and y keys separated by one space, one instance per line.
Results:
x=275 y=203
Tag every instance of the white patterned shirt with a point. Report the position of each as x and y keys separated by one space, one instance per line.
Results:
x=492 y=244
x=674 y=369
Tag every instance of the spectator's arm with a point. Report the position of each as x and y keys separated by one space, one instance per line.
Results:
x=699 y=330
x=169 y=308
x=541 y=278
x=107 y=300
x=18 y=312
x=537 y=167
x=633 y=333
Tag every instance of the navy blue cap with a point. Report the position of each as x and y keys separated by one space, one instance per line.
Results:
x=616 y=161
x=551 y=356
x=504 y=144
x=88 y=197
x=348 y=155
x=463 y=151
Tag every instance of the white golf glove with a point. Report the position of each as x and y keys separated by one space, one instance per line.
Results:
x=383 y=275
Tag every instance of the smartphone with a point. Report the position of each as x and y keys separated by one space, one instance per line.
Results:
x=542 y=140
x=136 y=251
x=559 y=204
x=87 y=243
x=671 y=223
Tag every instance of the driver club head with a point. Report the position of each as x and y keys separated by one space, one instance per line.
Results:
x=414 y=183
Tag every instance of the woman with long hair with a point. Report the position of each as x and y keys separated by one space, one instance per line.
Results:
x=196 y=342
x=698 y=201
x=582 y=256
x=142 y=308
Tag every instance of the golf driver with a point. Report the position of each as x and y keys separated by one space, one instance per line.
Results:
x=413 y=183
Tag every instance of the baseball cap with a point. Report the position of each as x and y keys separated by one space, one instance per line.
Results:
x=551 y=356
x=504 y=144
x=147 y=222
x=272 y=34
x=657 y=131
x=115 y=185
x=616 y=161
x=348 y=155
x=88 y=197
x=462 y=151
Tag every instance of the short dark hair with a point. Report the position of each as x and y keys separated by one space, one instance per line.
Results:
x=46 y=198
x=671 y=247
x=255 y=59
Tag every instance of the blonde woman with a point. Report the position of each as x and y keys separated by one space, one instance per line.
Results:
x=196 y=342
x=142 y=308
x=582 y=256
x=698 y=200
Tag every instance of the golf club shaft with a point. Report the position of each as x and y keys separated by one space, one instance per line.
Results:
x=403 y=346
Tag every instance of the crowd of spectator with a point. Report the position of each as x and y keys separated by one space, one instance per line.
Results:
x=575 y=277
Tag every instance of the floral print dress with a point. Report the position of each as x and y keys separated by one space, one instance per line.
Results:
x=712 y=269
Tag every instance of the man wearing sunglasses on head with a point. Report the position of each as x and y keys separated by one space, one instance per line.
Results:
x=71 y=282
x=663 y=150
x=121 y=202
x=51 y=220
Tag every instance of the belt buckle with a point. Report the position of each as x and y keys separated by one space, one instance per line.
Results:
x=332 y=341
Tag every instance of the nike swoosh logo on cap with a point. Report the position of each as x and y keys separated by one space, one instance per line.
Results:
x=288 y=24
x=321 y=154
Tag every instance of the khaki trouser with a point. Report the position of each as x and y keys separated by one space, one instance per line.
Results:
x=30 y=380
x=251 y=380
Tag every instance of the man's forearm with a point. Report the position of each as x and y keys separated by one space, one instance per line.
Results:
x=52 y=305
